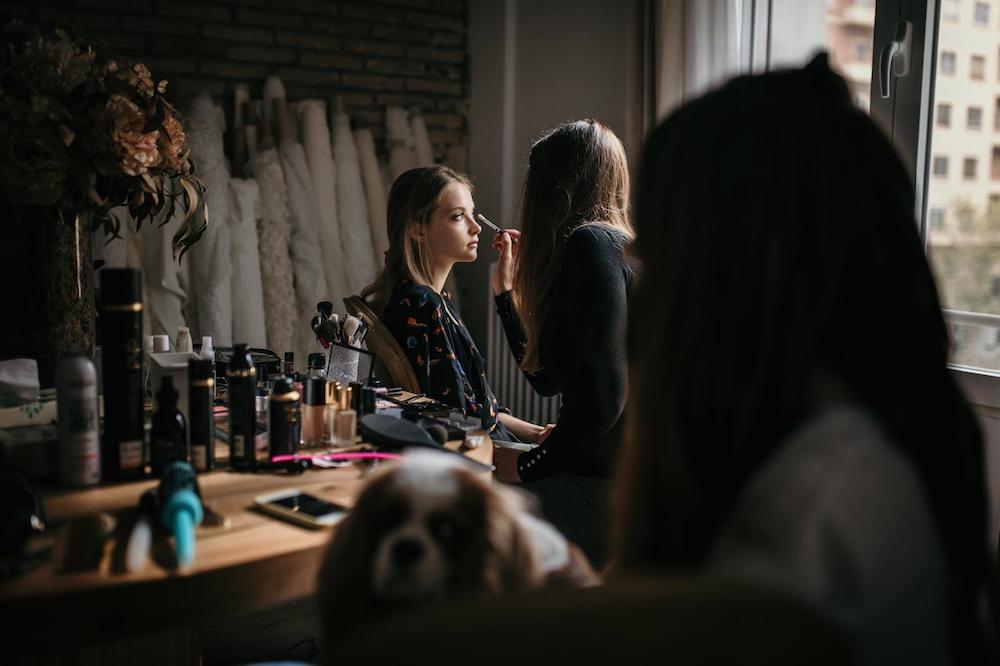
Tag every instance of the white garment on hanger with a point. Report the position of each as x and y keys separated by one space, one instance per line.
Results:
x=211 y=269
x=274 y=230
x=273 y=89
x=248 y=299
x=374 y=193
x=307 y=259
x=323 y=171
x=421 y=140
x=399 y=136
x=163 y=309
x=355 y=230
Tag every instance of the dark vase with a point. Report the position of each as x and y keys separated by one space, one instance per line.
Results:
x=47 y=278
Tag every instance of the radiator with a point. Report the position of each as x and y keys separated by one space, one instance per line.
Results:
x=511 y=388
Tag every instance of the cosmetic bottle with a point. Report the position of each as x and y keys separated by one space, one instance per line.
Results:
x=168 y=438
x=317 y=365
x=122 y=454
x=288 y=369
x=313 y=411
x=78 y=423
x=207 y=352
x=330 y=414
x=284 y=424
x=346 y=421
x=241 y=376
x=201 y=388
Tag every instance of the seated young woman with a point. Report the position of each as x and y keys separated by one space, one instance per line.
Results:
x=431 y=228
x=794 y=421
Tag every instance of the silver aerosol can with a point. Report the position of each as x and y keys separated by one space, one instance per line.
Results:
x=79 y=426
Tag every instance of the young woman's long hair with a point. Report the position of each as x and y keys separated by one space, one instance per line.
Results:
x=412 y=201
x=577 y=174
x=777 y=242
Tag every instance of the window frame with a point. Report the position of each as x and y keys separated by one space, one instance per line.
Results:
x=910 y=119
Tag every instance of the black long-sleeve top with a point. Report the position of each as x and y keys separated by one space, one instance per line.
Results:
x=582 y=350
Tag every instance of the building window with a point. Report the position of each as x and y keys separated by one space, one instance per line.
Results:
x=981 y=15
x=863 y=51
x=937 y=218
x=995 y=166
x=974 y=118
x=969 y=168
x=949 y=10
x=948 y=62
x=941 y=166
x=996 y=114
x=977 y=68
x=944 y=115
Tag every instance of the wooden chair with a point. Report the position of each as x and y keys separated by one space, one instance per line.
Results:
x=388 y=354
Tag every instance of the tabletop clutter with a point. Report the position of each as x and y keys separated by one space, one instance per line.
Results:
x=152 y=407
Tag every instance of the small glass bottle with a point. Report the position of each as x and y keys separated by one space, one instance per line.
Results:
x=168 y=438
x=330 y=416
x=317 y=365
x=313 y=410
x=346 y=421
x=284 y=426
x=289 y=367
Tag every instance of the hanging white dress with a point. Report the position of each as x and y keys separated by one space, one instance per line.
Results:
x=374 y=193
x=274 y=229
x=399 y=137
x=163 y=308
x=248 y=301
x=355 y=230
x=211 y=270
x=307 y=259
x=316 y=142
x=421 y=141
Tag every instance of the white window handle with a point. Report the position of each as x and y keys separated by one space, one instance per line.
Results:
x=895 y=58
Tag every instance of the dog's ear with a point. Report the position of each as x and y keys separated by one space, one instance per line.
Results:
x=344 y=594
x=512 y=562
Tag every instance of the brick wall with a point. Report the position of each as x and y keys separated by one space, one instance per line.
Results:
x=374 y=53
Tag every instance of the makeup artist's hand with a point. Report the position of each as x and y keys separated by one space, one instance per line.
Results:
x=505 y=461
x=505 y=243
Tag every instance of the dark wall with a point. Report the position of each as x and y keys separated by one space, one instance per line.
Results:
x=374 y=53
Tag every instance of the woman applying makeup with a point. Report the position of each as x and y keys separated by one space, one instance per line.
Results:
x=431 y=228
x=562 y=285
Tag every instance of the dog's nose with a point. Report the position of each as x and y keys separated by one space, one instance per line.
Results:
x=406 y=552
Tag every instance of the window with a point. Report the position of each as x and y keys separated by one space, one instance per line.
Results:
x=996 y=114
x=981 y=15
x=995 y=167
x=949 y=10
x=944 y=115
x=937 y=219
x=948 y=62
x=974 y=118
x=863 y=50
x=969 y=168
x=977 y=68
x=941 y=167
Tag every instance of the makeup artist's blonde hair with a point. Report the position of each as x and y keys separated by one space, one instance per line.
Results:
x=577 y=175
x=413 y=199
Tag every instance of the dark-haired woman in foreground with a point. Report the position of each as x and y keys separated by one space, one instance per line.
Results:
x=794 y=419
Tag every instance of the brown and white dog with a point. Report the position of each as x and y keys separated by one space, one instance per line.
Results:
x=427 y=530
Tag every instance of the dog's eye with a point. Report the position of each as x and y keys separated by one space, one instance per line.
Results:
x=442 y=528
x=391 y=516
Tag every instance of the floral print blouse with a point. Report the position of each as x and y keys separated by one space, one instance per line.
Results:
x=444 y=357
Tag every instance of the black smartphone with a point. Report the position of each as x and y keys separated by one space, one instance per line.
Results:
x=300 y=508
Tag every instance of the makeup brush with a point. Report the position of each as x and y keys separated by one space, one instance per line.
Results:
x=482 y=218
x=335 y=321
x=351 y=326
